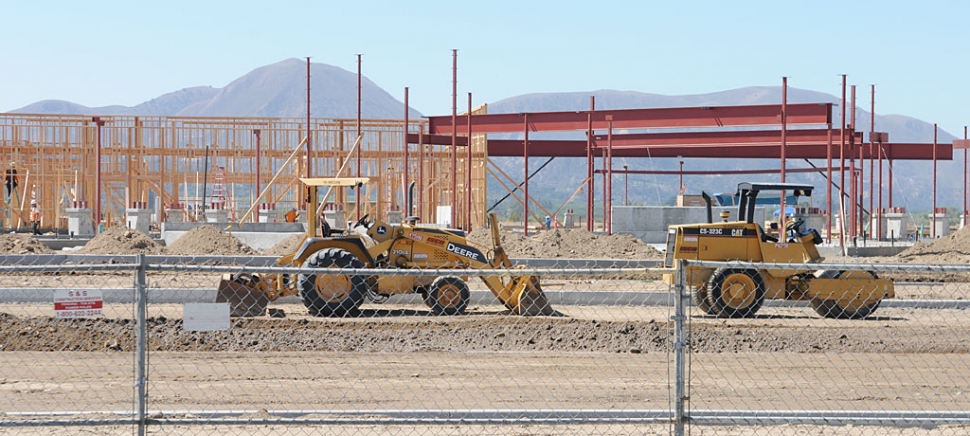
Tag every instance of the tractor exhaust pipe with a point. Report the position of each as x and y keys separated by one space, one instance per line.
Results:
x=410 y=199
x=707 y=199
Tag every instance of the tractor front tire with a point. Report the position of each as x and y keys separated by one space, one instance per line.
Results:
x=735 y=293
x=333 y=295
x=448 y=295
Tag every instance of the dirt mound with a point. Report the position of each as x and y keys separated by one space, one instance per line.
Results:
x=122 y=240
x=17 y=243
x=285 y=246
x=208 y=239
x=951 y=249
x=569 y=244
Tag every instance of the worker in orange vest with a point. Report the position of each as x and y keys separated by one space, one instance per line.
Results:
x=35 y=217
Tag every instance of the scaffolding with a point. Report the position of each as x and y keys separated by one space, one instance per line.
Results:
x=172 y=164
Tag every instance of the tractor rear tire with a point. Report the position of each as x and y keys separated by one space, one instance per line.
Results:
x=448 y=295
x=832 y=308
x=735 y=293
x=333 y=295
x=699 y=295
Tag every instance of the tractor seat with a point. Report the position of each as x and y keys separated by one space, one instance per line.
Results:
x=765 y=237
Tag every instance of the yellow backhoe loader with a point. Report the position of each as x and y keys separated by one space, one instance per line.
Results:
x=371 y=243
x=797 y=274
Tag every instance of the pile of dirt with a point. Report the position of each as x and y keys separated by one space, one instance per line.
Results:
x=18 y=243
x=569 y=244
x=122 y=240
x=209 y=240
x=285 y=246
x=951 y=249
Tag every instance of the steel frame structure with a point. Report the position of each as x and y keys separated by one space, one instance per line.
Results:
x=756 y=131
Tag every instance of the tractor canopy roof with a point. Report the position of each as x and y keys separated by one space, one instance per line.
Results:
x=797 y=189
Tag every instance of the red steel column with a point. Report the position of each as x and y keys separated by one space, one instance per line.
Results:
x=933 y=234
x=603 y=151
x=853 y=189
x=784 y=145
x=828 y=185
x=842 y=168
x=608 y=216
x=421 y=171
x=872 y=162
x=406 y=162
x=879 y=228
x=359 y=146
x=468 y=173
x=308 y=167
x=97 y=178
x=525 y=157
x=454 y=136
x=889 y=161
x=259 y=187
x=590 y=165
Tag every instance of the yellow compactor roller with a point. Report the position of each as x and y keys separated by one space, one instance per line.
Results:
x=796 y=273
x=371 y=243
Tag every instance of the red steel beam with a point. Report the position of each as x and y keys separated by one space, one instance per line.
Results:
x=414 y=138
x=743 y=147
x=705 y=116
x=719 y=172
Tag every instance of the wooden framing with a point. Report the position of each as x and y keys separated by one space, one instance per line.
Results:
x=159 y=163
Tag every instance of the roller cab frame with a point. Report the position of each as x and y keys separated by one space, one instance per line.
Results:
x=740 y=292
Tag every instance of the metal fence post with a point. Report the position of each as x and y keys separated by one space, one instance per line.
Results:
x=141 y=340
x=680 y=345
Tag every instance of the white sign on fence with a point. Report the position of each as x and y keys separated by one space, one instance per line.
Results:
x=78 y=303
x=205 y=317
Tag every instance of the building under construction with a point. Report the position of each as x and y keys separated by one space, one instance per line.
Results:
x=183 y=167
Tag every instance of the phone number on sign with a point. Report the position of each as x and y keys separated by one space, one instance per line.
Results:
x=83 y=313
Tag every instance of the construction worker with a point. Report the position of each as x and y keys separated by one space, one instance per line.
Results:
x=290 y=216
x=10 y=180
x=35 y=217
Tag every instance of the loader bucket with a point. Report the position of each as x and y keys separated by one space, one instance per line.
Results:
x=527 y=297
x=243 y=294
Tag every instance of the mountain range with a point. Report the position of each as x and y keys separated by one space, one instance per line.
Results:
x=279 y=90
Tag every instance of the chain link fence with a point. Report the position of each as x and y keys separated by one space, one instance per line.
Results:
x=135 y=344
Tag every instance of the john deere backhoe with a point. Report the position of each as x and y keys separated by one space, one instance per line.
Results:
x=797 y=273
x=371 y=243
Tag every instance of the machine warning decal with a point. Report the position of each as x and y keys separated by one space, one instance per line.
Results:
x=781 y=245
x=381 y=230
x=690 y=238
x=466 y=251
x=721 y=231
x=436 y=241
x=420 y=255
x=416 y=236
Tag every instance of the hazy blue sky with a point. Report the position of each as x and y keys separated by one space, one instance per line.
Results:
x=98 y=53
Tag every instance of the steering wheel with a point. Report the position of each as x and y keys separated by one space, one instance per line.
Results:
x=362 y=222
x=796 y=224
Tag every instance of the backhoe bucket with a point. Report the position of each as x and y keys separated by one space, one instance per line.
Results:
x=527 y=297
x=243 y=294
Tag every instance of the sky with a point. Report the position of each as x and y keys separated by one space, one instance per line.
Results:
x=99 y=53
